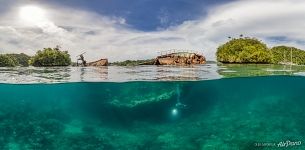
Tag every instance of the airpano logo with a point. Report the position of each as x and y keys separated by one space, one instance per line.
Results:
x=289 y=143
x=281 y=144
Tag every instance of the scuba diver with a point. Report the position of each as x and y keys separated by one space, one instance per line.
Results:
x=178 y=106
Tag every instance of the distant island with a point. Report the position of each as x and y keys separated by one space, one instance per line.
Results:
x=133 y=62
x=50 y=57
x=251 y=50
x=43 y=58
x=13 y=60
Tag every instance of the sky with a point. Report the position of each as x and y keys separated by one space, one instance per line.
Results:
x=140 y=29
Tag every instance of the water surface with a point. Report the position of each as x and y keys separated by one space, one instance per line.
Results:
x=142 y=73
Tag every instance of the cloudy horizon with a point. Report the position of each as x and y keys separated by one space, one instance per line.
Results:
x=123 y=32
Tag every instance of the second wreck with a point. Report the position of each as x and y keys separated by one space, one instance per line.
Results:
x=180 y=58
x=101 y=62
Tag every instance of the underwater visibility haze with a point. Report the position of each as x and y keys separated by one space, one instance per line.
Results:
x=226 y=113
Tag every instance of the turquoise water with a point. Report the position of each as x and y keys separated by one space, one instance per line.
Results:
x=232 y=113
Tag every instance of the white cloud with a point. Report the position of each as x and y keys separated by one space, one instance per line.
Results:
x=101 y=36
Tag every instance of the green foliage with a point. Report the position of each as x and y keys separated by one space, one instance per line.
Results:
x=243 y=50
x=22 y=59
x=282 y=54
x=8 y=61
x=134 y=62
x=51 y=57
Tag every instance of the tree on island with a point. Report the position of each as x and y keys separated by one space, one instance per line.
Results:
x=51 y=57
x=243 y=50
x=8 y=61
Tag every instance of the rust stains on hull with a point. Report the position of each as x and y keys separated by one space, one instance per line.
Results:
x=181 y=58
x=101 y=62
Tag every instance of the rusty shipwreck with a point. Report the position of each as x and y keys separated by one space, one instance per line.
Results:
x=101 y=62
x=180 y=58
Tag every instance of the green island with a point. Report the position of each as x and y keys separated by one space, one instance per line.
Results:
x=47 y=57
x=253 y=51
x=13 y=60
x=51 y=57
x=7 y=61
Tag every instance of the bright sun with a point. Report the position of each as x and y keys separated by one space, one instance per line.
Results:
x=32 y=14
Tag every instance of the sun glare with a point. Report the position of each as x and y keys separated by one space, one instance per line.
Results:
x=32 y=14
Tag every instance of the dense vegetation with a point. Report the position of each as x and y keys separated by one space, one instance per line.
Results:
x=51 y=57
x=244 y=50
x=134 y=62
x=13 y=60
x=285 y=54
x=22 y=59
x=7 y=61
